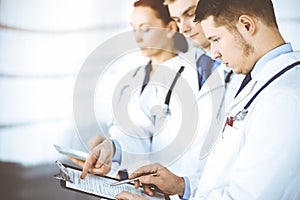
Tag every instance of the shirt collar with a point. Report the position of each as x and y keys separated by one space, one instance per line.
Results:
x=285 y=48
x=198 y=53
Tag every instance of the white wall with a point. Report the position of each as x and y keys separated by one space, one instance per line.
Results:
x=43 y=45
x=288 y=16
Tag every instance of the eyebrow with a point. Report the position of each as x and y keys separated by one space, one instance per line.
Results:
x=189 y=8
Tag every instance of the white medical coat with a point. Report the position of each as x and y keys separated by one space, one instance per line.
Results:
x=213 y=98
x=259 y=157
x=139 y=145
x=210 y=102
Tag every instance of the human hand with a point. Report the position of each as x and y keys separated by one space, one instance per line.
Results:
x=76 y=161
x=99 y=160
x=93 y=142
x=129 y=196
x=165 y=181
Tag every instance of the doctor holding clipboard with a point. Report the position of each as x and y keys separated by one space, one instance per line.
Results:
x=149 y=104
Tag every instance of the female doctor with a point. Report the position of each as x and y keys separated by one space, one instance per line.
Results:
x=148 y=106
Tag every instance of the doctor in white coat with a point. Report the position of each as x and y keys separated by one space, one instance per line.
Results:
x=181 y=154
x=135 y=138
x=257 y=154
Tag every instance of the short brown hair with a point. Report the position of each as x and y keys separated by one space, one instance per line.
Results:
x=166 y=2
x=227 y=12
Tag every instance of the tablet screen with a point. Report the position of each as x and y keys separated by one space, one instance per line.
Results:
x=81 y=155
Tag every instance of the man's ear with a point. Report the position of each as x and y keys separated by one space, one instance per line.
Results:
x=173 y=28
x=247 y=24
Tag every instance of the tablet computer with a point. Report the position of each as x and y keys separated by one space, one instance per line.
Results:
x=100 y=186
x=81 y=155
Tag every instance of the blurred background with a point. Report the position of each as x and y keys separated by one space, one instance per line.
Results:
x=43 y=44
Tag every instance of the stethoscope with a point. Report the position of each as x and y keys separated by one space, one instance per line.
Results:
x=241 y=115
x=159 y=115
x=166 y=112
x=227 y=78
x=169 y=94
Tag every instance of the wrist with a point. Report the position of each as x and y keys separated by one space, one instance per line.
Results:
x=117 y=155
x=187 y=189
x=113 y=146
x=181 y=187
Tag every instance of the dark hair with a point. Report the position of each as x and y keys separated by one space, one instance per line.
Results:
x=162 y=12
x=227 y=12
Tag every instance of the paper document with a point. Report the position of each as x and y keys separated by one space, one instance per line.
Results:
x=101 y=186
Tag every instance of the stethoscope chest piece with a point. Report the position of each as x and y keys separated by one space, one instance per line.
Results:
x=241 y=115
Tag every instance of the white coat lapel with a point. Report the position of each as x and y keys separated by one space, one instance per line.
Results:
x=247 y=90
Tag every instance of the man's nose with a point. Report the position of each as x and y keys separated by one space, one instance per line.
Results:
x=215 y=53
x=184 y=27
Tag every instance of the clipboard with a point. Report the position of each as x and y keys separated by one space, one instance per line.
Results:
x=99 y=186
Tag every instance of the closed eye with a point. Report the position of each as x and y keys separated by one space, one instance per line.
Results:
x=213 y=39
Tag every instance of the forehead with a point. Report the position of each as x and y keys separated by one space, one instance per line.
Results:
x=144 y=15
x=179 y=7
x=211 y=30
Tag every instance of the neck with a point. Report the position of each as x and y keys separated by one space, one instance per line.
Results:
x=271 y=39
x=157 y=60
x=205 y=47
